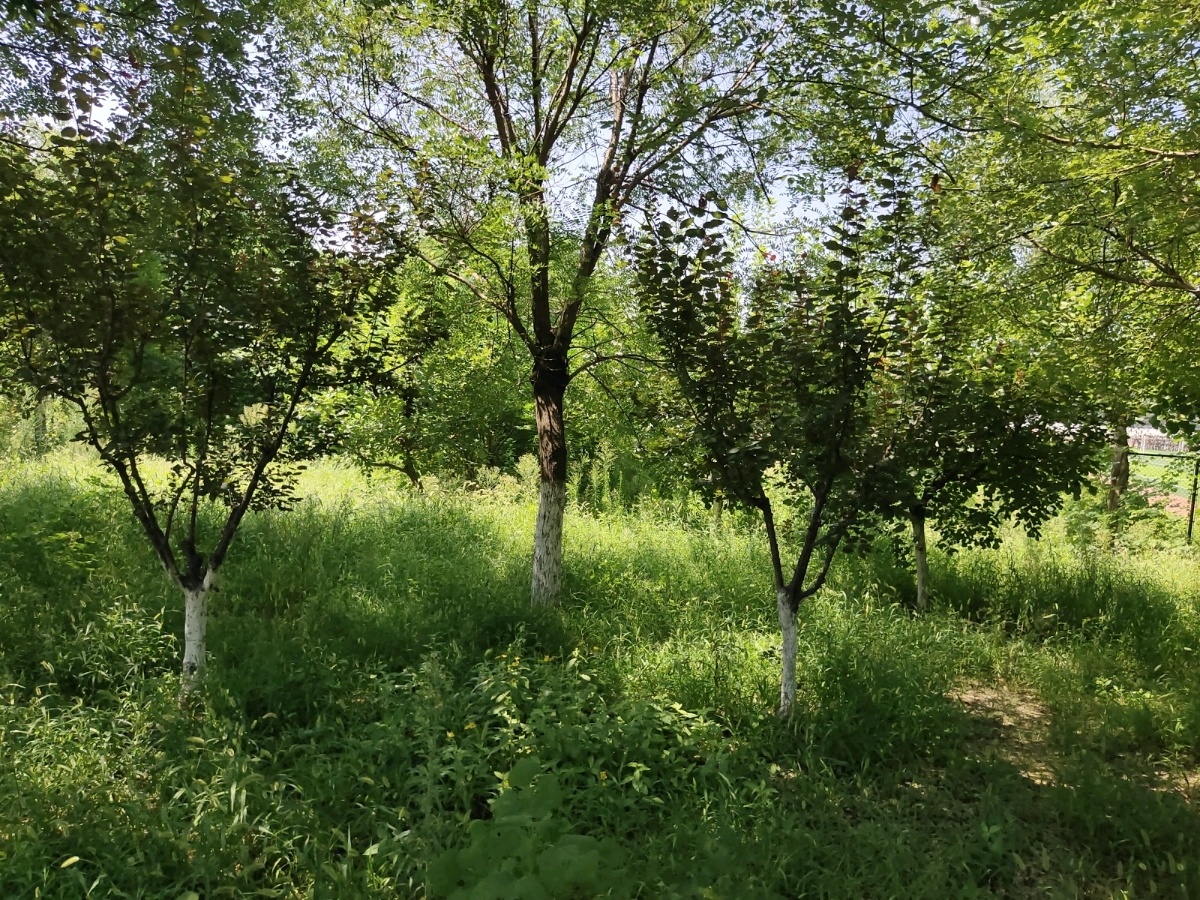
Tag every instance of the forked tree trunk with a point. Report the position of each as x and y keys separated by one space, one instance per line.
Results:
x=1118 y=480
x=549 y=388
x=195 y=627
x=787 y=625
x=921 y=557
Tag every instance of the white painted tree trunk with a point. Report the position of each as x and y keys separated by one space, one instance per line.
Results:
x=922 y=560
x=547 y=543
x=195 y=625
x=787 y=624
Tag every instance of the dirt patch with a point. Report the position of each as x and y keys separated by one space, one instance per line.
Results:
x=1015 y=723
x=1015 y=707
x=1174 y=504
x=1013 y=726
x=1179 y=781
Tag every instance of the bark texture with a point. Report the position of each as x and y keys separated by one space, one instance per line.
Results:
x=40 y=429
x=195 y=628
x=1118 y=479
x=549 y=388
x=921 y=557
x=787 y=625
x=547 y=544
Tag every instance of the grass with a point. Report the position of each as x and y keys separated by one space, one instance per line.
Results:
x=1163 y=473
x=385 y=716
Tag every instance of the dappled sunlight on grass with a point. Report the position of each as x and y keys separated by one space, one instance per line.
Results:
x=375 y=664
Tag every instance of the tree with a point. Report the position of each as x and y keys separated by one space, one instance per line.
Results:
x=986 y=434
x=520 y=133
x=187 y=320
x=782 y=378
x=1114 y=94
x=169 y=282
x=1068 y=129
x=1069 y=132
x=986 y=427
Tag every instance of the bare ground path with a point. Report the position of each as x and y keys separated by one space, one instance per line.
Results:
x=1014 y=726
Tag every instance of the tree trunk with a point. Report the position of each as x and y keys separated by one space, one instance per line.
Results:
x=787 y=625
x=406 y=442
x=549 y=388
x=1118 y=480
x=410 y=469
x=922 y=558
x=195 y=626
x=718 y=507
x=40 y=428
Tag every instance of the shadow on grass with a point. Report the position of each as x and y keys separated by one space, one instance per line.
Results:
x=388 y=580
x=82 y=600
x=375 y=666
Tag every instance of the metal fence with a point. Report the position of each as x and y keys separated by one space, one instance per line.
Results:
x=1168 y=480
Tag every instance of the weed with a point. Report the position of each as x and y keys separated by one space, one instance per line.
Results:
x=384 y=716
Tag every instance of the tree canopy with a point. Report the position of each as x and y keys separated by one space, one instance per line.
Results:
x=912 y=258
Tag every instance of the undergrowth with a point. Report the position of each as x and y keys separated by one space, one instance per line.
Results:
x=385 y=716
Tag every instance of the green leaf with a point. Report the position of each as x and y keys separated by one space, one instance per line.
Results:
x=523 y=773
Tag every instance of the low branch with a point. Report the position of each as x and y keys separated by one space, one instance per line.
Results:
x=600 y=359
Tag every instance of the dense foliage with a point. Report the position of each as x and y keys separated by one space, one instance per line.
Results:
x=629 y=283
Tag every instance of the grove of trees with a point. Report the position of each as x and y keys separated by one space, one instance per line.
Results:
x=889 y=265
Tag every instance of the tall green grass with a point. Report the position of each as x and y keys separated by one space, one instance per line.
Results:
x=385 y=716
